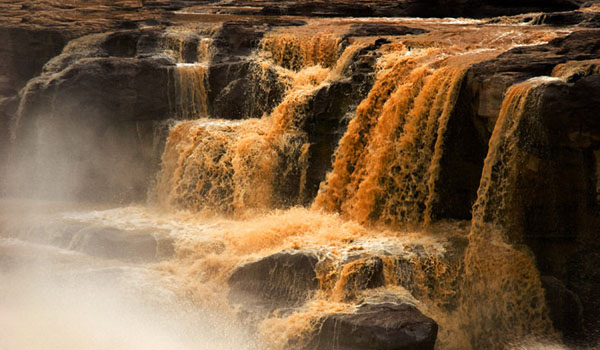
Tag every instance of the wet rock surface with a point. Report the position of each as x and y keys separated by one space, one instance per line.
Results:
x=553 y=205
x=489 y=80
x=104 y=92
x=282 y=280
x=377 y=326
x=478 y=107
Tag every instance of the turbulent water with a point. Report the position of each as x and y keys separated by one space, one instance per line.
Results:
x=223 y=197
x=61 y=290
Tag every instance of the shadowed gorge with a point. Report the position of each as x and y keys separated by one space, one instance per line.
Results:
x=300 y=175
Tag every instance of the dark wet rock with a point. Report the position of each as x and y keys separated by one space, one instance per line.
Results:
x=558 y=212
x=478 y=107
x=553 y=203
x=329 y=112
x=565 y=307
x=490 y=79
x=462 y=161
x=552 y=19
x=103 y=99
x=24 y=52
x=282 y=280
x=377 y=326
x=484 y=8
x=381 y=29
x=242 y=89
x=362 y=274
x=569 y=18
x=237 y=38
x=358 y=274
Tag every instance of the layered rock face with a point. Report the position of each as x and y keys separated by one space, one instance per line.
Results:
x=406 y=8
x=86 y=109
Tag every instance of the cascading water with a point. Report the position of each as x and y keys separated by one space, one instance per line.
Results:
x=191 y=91
x=394 y=146
x=235 y=165
x=497 y=273
x=230 y=192
x=385 y=172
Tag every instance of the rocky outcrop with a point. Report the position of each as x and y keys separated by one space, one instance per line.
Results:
x=242 y=89
x=489 y=80
x=551 y=204
x=568 y=18
x=390 y=8
x=103 y=95
x=377 y=326
x=554 y=205
x=478 y=107
x=556 y=196
x=329 y=112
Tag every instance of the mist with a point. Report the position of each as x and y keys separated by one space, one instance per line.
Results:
x=52 y=298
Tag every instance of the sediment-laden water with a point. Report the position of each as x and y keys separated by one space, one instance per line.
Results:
x=232 y=192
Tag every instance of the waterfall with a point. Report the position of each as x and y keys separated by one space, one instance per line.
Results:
x=385 y=171
x=231 y=166
x=387 y=164
x=191 y=90
x=499 y=273
x=337 y=154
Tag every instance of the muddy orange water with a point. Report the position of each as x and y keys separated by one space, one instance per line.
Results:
x=216 y=198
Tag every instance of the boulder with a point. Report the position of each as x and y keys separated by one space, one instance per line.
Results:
x=283 y=280
x=393 y=326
